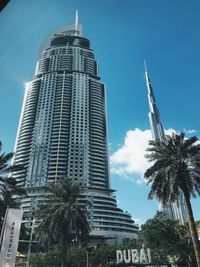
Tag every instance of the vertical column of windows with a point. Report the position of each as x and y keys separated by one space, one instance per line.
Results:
x=85 y=127
x=98 y=136
x=42 y=66
x=37 y=171
x=78 y=150
x=60 y=128
x=54 y=63
x=78 y=59
x=90 y=66
x=66 y=61
x=24 y=139
x=46 y=54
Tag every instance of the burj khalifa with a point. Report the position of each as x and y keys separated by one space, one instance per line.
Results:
x=176 y=210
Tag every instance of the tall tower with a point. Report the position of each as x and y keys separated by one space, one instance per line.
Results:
x=63 y=132
x=177 y=210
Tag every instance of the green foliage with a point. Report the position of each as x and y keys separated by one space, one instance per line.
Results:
x=62 y=221
x=176 y=163
x=77 y=256
x=106 y=254
x=167 y=238
x=50 y=259
x=103 y=255
x=175 y=169
x=8 y=185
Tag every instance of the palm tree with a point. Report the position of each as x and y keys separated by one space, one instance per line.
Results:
x=8 y=185
x=62 y=221
x=176 y=167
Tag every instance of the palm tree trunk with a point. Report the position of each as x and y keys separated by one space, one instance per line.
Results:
x=64 y=255
x=193 y=230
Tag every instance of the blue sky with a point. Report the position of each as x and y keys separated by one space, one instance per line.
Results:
x=165 y=33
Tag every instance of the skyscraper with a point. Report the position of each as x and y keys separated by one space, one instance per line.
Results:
x=63 y=132
x=176 y=210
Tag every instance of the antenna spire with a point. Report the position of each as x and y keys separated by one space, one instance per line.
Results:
x=150 y=90
x=154 y=117
x=76 y=21
x=145 y=66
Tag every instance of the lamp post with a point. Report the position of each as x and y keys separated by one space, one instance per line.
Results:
x=30 y=244
x=87 y=262
x=32 y=224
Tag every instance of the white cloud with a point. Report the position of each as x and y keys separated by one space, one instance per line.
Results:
x=128 y=161
x=129 y=158
x=190 y=131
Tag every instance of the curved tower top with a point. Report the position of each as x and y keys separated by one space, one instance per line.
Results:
x=65 y=31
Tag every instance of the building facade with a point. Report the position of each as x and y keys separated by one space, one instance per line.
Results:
x=176 y=210
x=63 y=132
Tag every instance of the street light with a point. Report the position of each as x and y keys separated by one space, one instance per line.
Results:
x=87 y=262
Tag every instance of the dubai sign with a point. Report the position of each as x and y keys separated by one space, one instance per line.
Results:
x=134 y=256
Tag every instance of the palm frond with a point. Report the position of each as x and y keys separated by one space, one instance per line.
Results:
x=8 y=185
x=61 y=218
x=176 y=166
